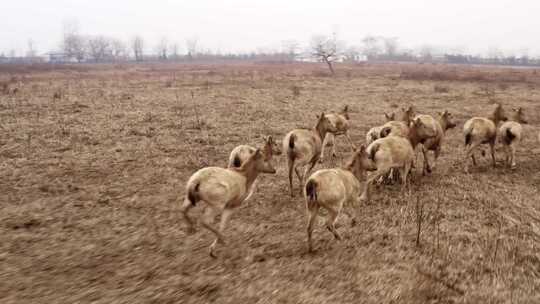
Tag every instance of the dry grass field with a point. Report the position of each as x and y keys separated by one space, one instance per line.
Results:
x=91 y=182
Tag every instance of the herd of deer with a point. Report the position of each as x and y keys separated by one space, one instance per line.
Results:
x=389 y=151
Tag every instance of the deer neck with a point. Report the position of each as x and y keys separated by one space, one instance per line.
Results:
x=320 y=131
x=443 y=123
x=405 y=118
x=413 y=137
x=356 y=172
x=495 y=118
x=249 y=172
x=251 y=175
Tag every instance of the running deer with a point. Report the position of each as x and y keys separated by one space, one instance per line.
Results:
x=399 y=127
x=434 y=144
x=303 y=147
x=241 y=154
x=394 y=152
x=375 y=133
x=481 y=130
x=331 y=189
x=341 y=122
x=222 y=190
x=510 y=134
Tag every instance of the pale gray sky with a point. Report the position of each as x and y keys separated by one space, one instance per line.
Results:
x=472 y=26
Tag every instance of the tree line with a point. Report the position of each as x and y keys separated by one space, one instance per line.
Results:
x=328 y=49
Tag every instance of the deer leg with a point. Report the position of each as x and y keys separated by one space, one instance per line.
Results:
x=380 y=172
x=353 y=148
x=299 y=175
x=513 y=156
x=207 y=220
x=437 y=153
x=308 y=170
x=470 y=153
x=251 y=190
x=291 y=168
x=404 y=172
x=508 y=157
x=331 y=222
x=184 y=209
x=427 y=168
x=492 y=150
x=312 y=214
x=334 y=149
x=324 y=143
x=474 y=159
x=225 y=216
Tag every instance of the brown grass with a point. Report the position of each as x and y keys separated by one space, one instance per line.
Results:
x=91 y=183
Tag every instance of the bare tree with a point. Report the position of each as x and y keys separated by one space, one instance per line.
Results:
x=99 y=48
x=192 y=46
x=390 y=46
x=73 y=44
x=31 y=51
x=118 y=49
x=426 y=53
x=174 y=50
x=137 y=46
x=325 y=49
x=162 y=49
x=371 y=47
x=494 y=53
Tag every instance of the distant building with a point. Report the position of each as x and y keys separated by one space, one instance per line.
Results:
x=21 y=60
x=56 y=57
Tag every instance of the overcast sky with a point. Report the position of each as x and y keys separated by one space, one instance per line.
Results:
x=471 y=26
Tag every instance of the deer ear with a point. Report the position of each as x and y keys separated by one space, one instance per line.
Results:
x=269 y=139
x=257 y=154
x=385 y=131
x=346 y=108
x=362 y=149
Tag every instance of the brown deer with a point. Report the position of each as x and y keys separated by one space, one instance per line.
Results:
x=303 y=147
x=222 y=190
x=482 y=130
